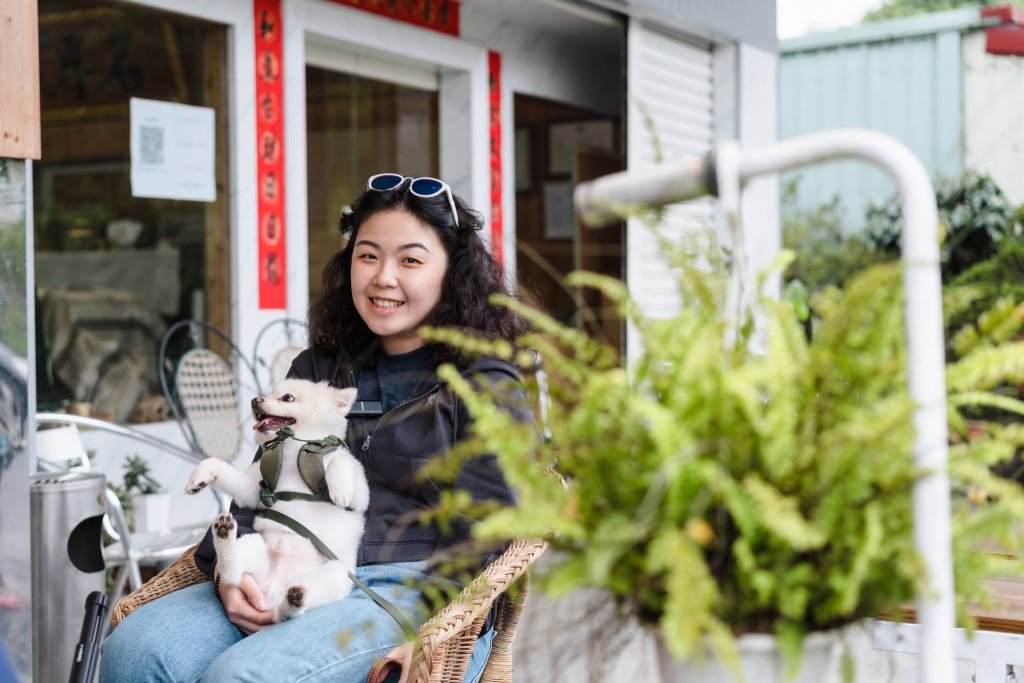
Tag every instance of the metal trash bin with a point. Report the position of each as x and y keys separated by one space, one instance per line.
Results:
x=67 y=564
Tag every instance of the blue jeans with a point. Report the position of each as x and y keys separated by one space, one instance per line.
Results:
x=185 y=636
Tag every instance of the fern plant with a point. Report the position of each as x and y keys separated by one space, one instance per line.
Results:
x=712 y=490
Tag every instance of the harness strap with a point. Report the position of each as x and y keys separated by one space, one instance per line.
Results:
x=269 y=496
x=270 y=465
x=299 y=528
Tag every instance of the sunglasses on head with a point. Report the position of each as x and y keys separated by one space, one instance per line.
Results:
x=419 y=187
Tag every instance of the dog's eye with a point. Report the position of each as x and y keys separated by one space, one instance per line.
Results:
x=287 y=398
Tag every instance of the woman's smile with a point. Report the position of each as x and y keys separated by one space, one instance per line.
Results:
x=386 y=304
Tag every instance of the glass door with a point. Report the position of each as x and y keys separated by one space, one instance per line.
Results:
x=372 y=117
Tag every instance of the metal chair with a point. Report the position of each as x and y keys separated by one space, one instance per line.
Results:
x=130 y=550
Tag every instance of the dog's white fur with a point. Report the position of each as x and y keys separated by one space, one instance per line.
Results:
x=293 y=575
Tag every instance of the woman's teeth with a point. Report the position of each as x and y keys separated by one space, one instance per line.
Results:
x=386 y=303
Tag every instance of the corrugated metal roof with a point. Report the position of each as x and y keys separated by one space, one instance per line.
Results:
x=892 y=29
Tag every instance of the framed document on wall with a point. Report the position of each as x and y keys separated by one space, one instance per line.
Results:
x=559 y=216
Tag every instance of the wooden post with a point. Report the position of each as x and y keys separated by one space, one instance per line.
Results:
x=218 y=216
x=20 y=127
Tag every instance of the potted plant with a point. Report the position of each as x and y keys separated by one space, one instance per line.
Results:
x=744 y=502
x=146 y=504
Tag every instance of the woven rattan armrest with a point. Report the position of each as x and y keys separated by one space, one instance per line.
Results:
x=447 y=639
x=181 y=574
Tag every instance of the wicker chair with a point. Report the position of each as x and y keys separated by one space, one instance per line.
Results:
x=446 y=639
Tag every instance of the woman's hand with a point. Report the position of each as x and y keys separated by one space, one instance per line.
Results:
x=400 y=658
x=245 y=605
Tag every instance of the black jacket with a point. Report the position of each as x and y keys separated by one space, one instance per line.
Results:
x=393 y=447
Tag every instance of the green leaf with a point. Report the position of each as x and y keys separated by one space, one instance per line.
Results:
x=780 y=514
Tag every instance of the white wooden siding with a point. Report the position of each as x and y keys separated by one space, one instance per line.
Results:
x=669 y=80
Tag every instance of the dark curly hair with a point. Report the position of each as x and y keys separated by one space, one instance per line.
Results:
x=472 y=276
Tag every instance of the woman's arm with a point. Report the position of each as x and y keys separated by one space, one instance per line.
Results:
x=482 y=476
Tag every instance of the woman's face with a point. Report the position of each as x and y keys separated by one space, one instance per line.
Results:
x=398 y=265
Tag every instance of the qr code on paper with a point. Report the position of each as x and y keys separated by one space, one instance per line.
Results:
x=151 y=145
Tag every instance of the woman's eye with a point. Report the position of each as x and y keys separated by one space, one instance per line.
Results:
x=366 y=257
x=410 y=259
x=287 y=398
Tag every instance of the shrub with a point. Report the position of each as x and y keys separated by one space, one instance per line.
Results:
x=975 y=215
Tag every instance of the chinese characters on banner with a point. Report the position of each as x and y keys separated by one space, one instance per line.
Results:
x=270 y=154
x=439 y=15
x=494 y=101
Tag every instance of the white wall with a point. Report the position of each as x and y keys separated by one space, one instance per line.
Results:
x=758 y=126
x=993 y=101
x=552 y=62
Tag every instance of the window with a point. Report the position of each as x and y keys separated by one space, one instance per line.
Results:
x=113 y=270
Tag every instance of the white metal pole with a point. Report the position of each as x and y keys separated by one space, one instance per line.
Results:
x=923 y=285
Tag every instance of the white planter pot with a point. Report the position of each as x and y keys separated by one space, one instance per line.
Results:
x=152 y=511
x=761 y=661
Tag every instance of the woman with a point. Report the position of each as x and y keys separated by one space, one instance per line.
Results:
x=413 y=256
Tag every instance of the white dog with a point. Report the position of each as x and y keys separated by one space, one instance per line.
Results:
x=293 y=575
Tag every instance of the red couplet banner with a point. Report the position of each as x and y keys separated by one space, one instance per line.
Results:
x=273 y=291
x=494 y=97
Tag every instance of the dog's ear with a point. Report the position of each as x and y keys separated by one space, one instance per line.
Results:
x=345 y=397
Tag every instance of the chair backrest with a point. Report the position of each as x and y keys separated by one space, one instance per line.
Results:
x=203 y=388
x=276 y=345
x=207 y=394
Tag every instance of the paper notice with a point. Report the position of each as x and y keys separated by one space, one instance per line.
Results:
x=172 y=151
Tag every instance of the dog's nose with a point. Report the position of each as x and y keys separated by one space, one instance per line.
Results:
x=256 y=401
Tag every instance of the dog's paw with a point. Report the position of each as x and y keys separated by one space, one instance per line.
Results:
x=224 y=527
x=202 y=476
x=292 y=605
x=195 y=486
x=342 y=500
x=347 y=485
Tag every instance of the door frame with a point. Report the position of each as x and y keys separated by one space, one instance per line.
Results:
x=242 y=181
x=463 y=100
